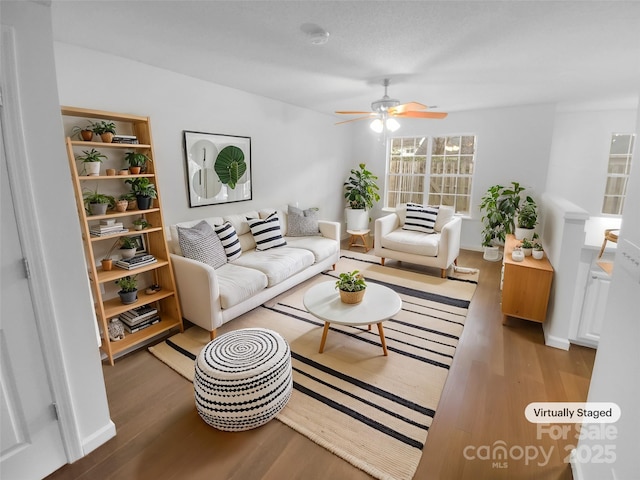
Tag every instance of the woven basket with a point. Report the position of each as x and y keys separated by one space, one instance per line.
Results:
x=351 y=297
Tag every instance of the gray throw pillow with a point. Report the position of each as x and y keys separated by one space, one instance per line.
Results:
x=302 y=223
x=201 y=243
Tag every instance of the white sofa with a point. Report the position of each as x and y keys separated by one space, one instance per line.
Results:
x=439 y=249
x=211 y=297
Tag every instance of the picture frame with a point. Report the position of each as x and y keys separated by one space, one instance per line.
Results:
x=217 y=167
x=141 y=246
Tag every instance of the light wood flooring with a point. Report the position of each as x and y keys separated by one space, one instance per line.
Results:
x=496 y=372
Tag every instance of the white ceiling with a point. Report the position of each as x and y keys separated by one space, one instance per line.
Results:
x=457 y=55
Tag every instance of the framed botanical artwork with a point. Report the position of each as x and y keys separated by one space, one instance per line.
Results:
x=218 y=168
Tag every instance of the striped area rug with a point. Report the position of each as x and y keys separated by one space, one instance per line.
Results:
x=371 y=410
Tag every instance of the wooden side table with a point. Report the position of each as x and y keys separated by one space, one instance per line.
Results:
x=359 y=238
x=525 y=286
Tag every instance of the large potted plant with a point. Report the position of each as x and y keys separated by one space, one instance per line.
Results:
x=351 y=286
x=144 y=190
x=361 y=191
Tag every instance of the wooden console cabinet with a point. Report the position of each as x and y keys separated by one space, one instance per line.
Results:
x=525 y=285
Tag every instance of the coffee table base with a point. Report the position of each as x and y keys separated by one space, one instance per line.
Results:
x=380 y=332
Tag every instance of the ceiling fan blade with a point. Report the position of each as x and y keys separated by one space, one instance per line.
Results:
x=355 y=119
x=348 y=112
x=422 y=114
x=407 y=107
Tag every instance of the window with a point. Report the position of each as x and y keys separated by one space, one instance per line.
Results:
x=620 y=153
x=440 y=175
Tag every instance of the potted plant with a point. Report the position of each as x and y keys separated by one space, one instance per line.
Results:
x=85 y=133
x=128 y=289
x=351 y=286
x=144 y=191
x=538 y=252
x=361 y=191
x=527 y=247
x=105 y=129
x=130 y=197
x=97 y=203
x=91 y=160
x=128 y=247
x=140 y=224
x=527 y=219
x=107 y=262
x=136 y=161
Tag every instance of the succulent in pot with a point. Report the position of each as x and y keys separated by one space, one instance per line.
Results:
x=128 y=289
x=351 y=286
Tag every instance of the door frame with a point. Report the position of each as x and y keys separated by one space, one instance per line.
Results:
x=30 y=240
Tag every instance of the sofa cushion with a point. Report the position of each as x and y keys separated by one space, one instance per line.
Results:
x=239 y=283
x=277 y=264
x=302 y=223
x=172 y=236
x=201 y=243
x=229 y=239
x=412 y=242
x=420 y=218
x=320 y=246
x=266 y=233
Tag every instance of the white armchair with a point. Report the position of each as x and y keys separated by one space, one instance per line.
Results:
x=439 y=249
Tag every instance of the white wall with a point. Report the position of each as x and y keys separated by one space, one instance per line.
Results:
x=616 y=371
x=513 y=144
x=52 y=193
x=580 y=154
x=297 y=155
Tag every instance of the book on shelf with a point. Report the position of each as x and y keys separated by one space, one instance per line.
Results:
x=136 y=262
x=133 y=319
x=97 y=233
x=142 y=326
x=130 y=139
x=106 y=228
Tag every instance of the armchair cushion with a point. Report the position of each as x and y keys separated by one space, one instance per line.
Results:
x=420 y=218
x=412 y=242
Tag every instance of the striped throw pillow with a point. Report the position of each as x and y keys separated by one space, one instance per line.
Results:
x=266 y=233
x=229 y=239
x=202 y=244
x=420 y=218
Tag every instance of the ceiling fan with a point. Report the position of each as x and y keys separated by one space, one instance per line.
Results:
x=386 y=108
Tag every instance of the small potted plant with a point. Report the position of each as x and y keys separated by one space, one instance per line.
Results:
x=144 y=190
x=136 y=161
x=105 y=129
x=97 y=203
x=527 y=219
x=85 y=133
x=128 y=289
x=107 y=262
x=141 y=224
x=538 y=252
x=527 y=247
x=91 y=160
x=351 y=286
x=128 y=247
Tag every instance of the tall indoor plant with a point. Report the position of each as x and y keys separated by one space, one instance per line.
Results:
x=361 y=191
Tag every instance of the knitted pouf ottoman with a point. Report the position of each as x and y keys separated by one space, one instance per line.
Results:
x=243 y=379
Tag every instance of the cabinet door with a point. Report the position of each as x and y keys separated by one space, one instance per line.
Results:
x=593 y=309
x=525 y=292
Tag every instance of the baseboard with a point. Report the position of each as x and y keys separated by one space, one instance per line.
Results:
x=99 y=438
x=556 y=342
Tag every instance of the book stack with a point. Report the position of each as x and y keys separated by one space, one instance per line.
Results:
x=136 y=261
x=139 y=318
x=130 y=139
x=104 y=229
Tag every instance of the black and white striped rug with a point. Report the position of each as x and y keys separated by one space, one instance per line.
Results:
x=373 y=411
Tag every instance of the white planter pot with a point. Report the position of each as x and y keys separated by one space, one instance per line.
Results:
x=491 y=254
x=357 y=219
x=538 y=254
x=522 y=233
x=92 y=168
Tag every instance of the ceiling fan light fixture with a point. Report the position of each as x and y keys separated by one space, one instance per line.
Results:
x=392 y=124
x=377 y=125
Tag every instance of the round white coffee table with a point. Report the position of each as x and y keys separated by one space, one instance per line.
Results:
x=379 y=304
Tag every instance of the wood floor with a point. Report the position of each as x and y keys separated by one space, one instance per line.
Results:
x=496 y=372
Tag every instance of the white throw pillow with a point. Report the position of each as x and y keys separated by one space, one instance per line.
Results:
x=420 y=218
x=266 y=233
x=229 y=239
x=201 y=243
